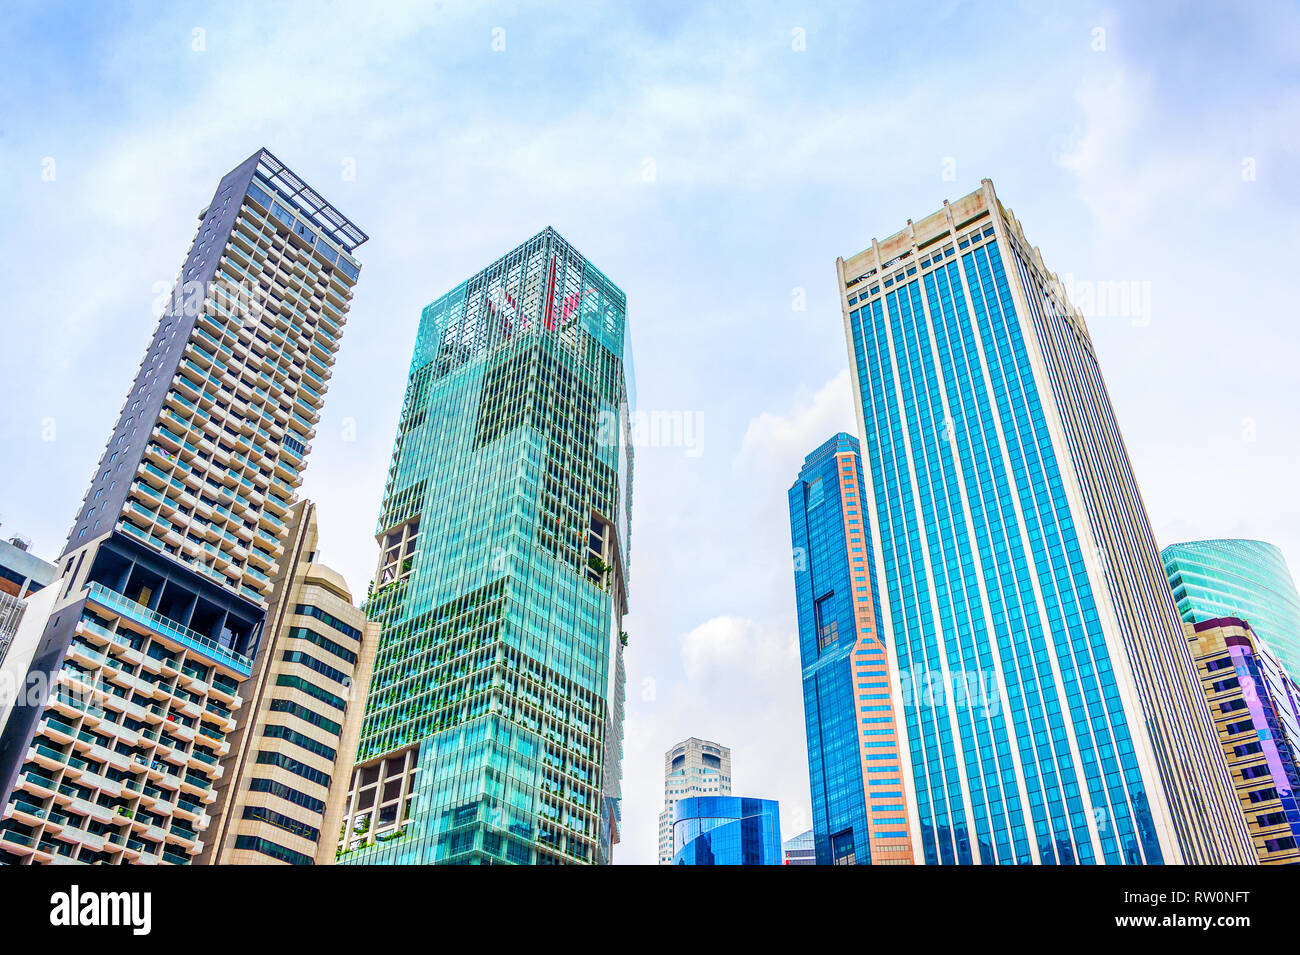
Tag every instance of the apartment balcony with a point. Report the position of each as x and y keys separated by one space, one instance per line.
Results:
x=182 y=732
x=211 y=319
x=125 y=653
x=192 y=787
x=193 y=682
x=149 y=496
x=79 y=771
x=287 y=473
x=205 y=763
x=86 y=656
x=25 y=812
x=120 y=706
x=48 y=758
x=148 y=830
x=162 y=458
x=174 y=447
x=102 y=754
x=170 y=752
x=156 y=478
x=217 y=743
x=37 y=785
x=202 y=358
x=22 y=845
x=82 y=837
x=184 y=838
x=90 y=810
x=190 y=810
x=221 y=696
x=156 y=622
x=256 y=578
x=276 y=507
x=162 y=775
x=121 y=651
x=156 y=690
x=68 y=707
x=52 y=728
x=260 y=559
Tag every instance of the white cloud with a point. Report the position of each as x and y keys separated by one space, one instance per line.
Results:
x=741 y=688
x=777 y=442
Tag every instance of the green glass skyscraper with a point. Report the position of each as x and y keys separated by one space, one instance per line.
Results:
x=1238 y=578
x=494 y=726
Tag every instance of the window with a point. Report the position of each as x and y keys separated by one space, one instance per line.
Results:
x=828 y=633
x=287 y=823
x=260 y=785
x=293 y=766
x=843 y=851
x=276 y=731
x=321 y=615
x=312 y=690
x=272 y=849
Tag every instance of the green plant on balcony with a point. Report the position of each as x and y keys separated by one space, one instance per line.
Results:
x=622 y=638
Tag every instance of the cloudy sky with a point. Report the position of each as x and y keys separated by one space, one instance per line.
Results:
x=713 y=161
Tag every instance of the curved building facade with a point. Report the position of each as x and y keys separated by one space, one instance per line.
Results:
x=727 y=830
x=1238 y=578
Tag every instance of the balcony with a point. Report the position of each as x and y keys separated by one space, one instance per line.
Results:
x=183 y=635
x=56 y=730
x=28 y=813
x=18 y=843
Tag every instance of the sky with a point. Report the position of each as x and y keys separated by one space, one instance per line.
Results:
x=713 y=160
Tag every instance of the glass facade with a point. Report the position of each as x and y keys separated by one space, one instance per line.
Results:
x=1238 y=578
x=1019 y=584
x=493 y=730
x=855 y=774
x=727 y=830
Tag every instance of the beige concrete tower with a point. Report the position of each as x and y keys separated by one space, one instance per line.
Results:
x=694 y=767
x=287 y=772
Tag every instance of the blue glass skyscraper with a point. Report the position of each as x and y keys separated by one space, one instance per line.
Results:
x=726 y=830
x=855 y=775
x=1050 y=705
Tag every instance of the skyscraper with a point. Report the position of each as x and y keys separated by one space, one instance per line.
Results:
x=694 y=767
x=164 y=579
x=1051 y=710
x=800 y=849
x=727 y=830
x=859 y=813
x=21 y=571
x=285 y=779
x=22 y=574
x=1238 y=578
x=494 y=727
x=1252 y=728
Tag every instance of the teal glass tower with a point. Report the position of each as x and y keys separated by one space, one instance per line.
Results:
x=1050 y=707
x=494 y=725
x=1238 y=578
